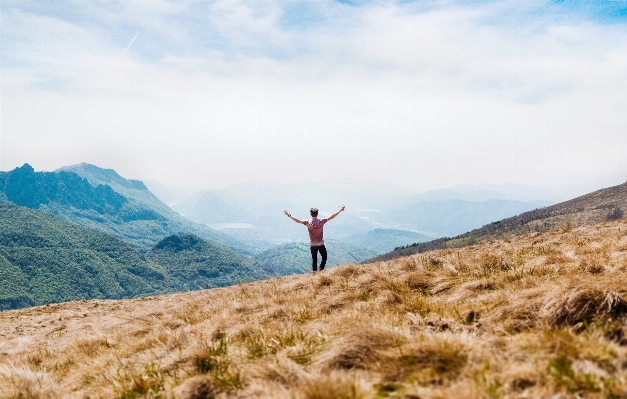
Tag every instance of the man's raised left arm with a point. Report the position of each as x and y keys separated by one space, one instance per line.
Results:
x=336 y=213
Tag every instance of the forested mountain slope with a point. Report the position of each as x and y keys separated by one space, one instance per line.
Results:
x=198 y=264
x=44 y=259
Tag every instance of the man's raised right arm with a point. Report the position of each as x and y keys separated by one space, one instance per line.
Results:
x=289 y=215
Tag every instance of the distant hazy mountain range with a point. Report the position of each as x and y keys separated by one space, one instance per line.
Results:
x=453 y=217
x=103 y=200
x=382 y=240
x=485 y=192
x=602 y=205
x=400 y=216
x=170 y=195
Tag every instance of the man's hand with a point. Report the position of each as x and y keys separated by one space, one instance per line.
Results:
x=342 y=208
x=287 y=213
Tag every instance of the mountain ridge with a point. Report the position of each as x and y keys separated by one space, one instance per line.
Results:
x=124 y=208
x=605 y=204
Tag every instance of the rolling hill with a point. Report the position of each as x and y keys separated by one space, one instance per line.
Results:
x=101 y=199
x=195 y=263
x=602 y=205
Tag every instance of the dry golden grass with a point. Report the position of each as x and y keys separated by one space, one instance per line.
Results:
x=539 y=316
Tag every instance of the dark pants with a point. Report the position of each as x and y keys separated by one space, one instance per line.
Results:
x=314 y=257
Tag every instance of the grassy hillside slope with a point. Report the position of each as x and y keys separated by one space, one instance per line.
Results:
x=44 y=259
x=538 y=316
x=602 y=205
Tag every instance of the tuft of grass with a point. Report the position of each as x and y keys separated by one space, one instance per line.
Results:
x=349 y=271
x=304 y=349
x=333 y=386
x=578 y=306
x=26 y=383
x=388 y=388
x=591 y=266
x=492 y=387
x=564 y=377
x=432 y=262
x=324 y=280
x=214 y=360
x=91 y=347
x=493 y=263
x=197 y=387
x=257 y=345
x=360 y=348
x=434 y=358
x=418 y=282
x=133 y=385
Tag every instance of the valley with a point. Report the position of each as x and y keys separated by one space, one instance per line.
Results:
x=48 y=216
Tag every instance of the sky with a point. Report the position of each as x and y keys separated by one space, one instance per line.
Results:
x=424 y=94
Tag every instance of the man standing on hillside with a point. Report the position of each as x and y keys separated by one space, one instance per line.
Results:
x=316 y=239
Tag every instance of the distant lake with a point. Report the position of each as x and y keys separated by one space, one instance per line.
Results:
x=225 y=226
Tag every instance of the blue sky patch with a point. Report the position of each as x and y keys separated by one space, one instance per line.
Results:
x=606 y=11
x=300 y=15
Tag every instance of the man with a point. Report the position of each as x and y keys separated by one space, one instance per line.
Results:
x=316 y=239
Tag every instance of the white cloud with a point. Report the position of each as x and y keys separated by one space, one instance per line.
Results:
x=213 y=93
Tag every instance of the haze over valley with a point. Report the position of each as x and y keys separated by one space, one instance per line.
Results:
x=394 y=214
